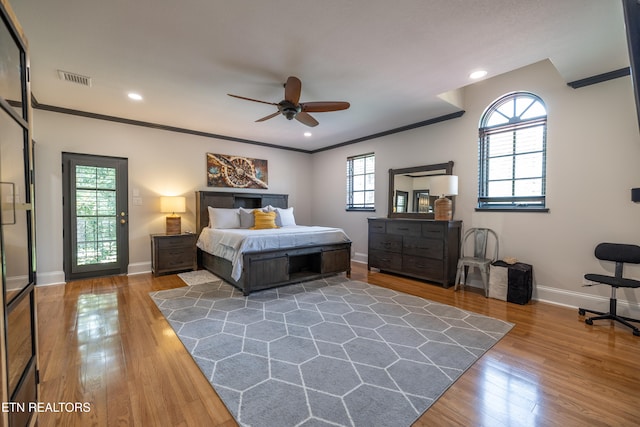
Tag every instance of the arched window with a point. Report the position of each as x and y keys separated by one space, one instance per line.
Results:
x=512 y=154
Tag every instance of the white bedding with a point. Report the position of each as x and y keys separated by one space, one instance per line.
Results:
x=230 y=244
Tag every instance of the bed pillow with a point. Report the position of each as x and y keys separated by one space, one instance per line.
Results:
x=284 y=217
x=247 y=220
x=264 y=220
x=223 y=218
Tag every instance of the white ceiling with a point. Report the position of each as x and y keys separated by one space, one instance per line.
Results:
x=390 y=60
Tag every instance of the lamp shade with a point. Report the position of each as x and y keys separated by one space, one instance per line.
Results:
x=443 y=185
x=172 y=204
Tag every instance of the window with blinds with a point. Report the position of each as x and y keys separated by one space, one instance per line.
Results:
x=512 y=154
x=361 y=182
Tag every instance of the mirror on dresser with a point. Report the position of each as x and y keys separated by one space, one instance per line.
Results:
x=409 y=195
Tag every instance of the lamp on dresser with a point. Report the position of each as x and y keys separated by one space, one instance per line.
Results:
x=443 y=185
x=173 y=205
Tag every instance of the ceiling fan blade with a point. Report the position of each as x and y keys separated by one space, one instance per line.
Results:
x=292 y=89
x=251 y=99
x=322 y=106
x=270 y=116
x=306 y=119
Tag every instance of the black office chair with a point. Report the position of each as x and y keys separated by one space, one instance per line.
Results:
x=620 y=254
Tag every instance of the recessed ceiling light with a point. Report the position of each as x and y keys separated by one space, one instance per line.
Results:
x=478 y=74
x=308 y=134
x=135 y=96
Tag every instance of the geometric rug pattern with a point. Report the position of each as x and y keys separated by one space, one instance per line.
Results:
x=330 y=352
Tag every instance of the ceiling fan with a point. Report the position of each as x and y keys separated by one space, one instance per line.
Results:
x=291 y=108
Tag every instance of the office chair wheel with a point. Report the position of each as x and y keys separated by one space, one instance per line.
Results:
x=581 y=312
x=636 y=333
x=588 y=321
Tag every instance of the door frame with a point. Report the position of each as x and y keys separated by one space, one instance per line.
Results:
x=68 y=202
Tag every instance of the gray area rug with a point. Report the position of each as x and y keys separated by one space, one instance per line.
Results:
x=331 y=352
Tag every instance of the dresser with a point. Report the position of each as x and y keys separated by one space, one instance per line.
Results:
x=171 y=253
x=424 y=249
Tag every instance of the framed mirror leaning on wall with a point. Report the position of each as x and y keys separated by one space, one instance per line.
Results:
x=409 y=195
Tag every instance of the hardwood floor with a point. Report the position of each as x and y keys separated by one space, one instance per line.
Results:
x=104 y=341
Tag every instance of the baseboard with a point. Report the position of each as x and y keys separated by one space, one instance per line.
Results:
x=16 y=282
x=57 y=277
x=359 y=257
x=50 y=278
x=626 y=307
x=139 y=268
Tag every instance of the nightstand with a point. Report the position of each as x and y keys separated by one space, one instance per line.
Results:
x=171 y=253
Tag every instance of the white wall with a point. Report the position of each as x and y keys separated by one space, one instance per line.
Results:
x=160 y=163
x=592 y=163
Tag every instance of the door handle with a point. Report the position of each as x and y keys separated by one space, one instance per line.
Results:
x=122 y=218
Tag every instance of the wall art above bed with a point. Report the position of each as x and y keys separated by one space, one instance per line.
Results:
x=224 y=170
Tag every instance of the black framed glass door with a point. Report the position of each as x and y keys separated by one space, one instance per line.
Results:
x=96 y=225
x=17 y=229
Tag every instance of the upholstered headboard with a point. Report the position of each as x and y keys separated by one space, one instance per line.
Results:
x=219 y=199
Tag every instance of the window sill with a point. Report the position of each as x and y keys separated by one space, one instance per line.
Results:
x=540 y=210
x=360 y=209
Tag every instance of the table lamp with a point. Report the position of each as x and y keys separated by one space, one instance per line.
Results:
x=173 y=205
x=443 y=185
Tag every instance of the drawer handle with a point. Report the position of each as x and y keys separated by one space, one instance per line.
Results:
x=403 y=228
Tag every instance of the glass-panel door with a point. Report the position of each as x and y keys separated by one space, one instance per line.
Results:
x=17 y=239
x=95 y=215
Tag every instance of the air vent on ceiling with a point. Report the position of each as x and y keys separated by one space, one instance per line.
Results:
x=74 y=78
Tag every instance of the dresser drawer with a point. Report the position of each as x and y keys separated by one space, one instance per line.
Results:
x=425 y=267
x=173 y=260
x=433 y=230
x=385 y=242
x=377 y=227
x=181 y=242
x=405 y=228
x=419 y=246
x=385 y=260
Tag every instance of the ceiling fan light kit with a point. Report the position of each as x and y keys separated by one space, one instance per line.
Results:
x=291 y=108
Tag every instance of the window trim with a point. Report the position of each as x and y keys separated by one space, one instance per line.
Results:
x=349 y=196
x=486 y=203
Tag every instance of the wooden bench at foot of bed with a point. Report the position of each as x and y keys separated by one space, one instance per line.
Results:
x=272 y=268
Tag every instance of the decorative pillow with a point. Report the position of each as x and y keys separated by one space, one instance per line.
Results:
x=247 y=220
x=223 y=218
x=284 y=217
x=264 y=220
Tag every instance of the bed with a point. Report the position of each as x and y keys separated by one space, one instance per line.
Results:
x=263 y=259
